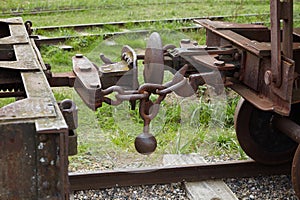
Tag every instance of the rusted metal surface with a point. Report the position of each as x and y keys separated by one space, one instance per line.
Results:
x=87 y=83
x=33 y=149
x=123 y=73
x=256 y=63
x=70 y=114
x=288 y=127
x=171 y=174
x=61 y=79
x=280 y=10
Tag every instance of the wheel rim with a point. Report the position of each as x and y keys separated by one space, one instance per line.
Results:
x=258 y=138
x=296 y=172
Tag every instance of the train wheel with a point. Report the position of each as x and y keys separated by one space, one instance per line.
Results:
x=258 y=138
x=296 y=172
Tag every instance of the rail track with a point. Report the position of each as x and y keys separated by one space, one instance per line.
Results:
x=172 y=174
x=62 y=39
x=81 y=27
x=38 y=10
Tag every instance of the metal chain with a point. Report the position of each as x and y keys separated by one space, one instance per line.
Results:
x=143 y=92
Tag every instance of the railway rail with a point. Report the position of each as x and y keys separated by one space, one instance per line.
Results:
x=80 y=27
x=63 y=9
x=61 y=39
x=40 y=40
x=174 y=174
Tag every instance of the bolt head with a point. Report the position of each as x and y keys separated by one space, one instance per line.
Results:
x=219 y=63
x=185 y=41
x=268 y=77
x=94 y=85
x=79 y=55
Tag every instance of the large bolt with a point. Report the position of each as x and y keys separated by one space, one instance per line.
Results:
x=219 y=63
x=145 y=143
x=79 y=55
x=94 y=85
x=268 y=77
x=185 y=41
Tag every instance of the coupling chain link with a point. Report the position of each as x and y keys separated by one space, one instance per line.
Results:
x=142 y=93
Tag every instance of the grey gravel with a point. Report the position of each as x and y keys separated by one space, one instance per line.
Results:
x=265 y=188
x=150 y=192
x=258 y=188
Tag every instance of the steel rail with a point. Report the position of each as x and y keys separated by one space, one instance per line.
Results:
x=62 y=39
x=18 y=12
x=63 y=9
x=79 y=27
x=172 y=174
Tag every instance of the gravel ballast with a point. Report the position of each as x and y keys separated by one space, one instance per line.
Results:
x=262 y=188
x=151 y=192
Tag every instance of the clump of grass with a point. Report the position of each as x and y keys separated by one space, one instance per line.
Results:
x=6 y=101
x=225 y=143
x=62 y=95
x=61 y=60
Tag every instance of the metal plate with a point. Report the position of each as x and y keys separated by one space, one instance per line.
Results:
x=154 y=60
x=25 y=59
x=18 y=178
x=30 y=108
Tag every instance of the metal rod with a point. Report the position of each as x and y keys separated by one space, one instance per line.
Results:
x=172 y=174
x=288 y=127
x=275 y=42
x=287 y=34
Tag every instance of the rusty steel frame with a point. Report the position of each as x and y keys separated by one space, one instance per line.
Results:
x=34 y=134
x=255 y=82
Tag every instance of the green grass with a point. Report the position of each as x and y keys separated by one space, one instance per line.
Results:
x=108 y=11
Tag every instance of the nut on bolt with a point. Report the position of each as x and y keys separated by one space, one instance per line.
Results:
x=219 y=63
x=268 y=77
x=185 y=41
x=94 y=85
x=79 y=55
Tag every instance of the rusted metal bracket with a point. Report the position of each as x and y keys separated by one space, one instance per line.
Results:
x=33 y=149
x=256 y=61
x=87 y=82
x=280 y=10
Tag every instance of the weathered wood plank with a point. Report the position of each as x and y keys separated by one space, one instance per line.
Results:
x=204 y=190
